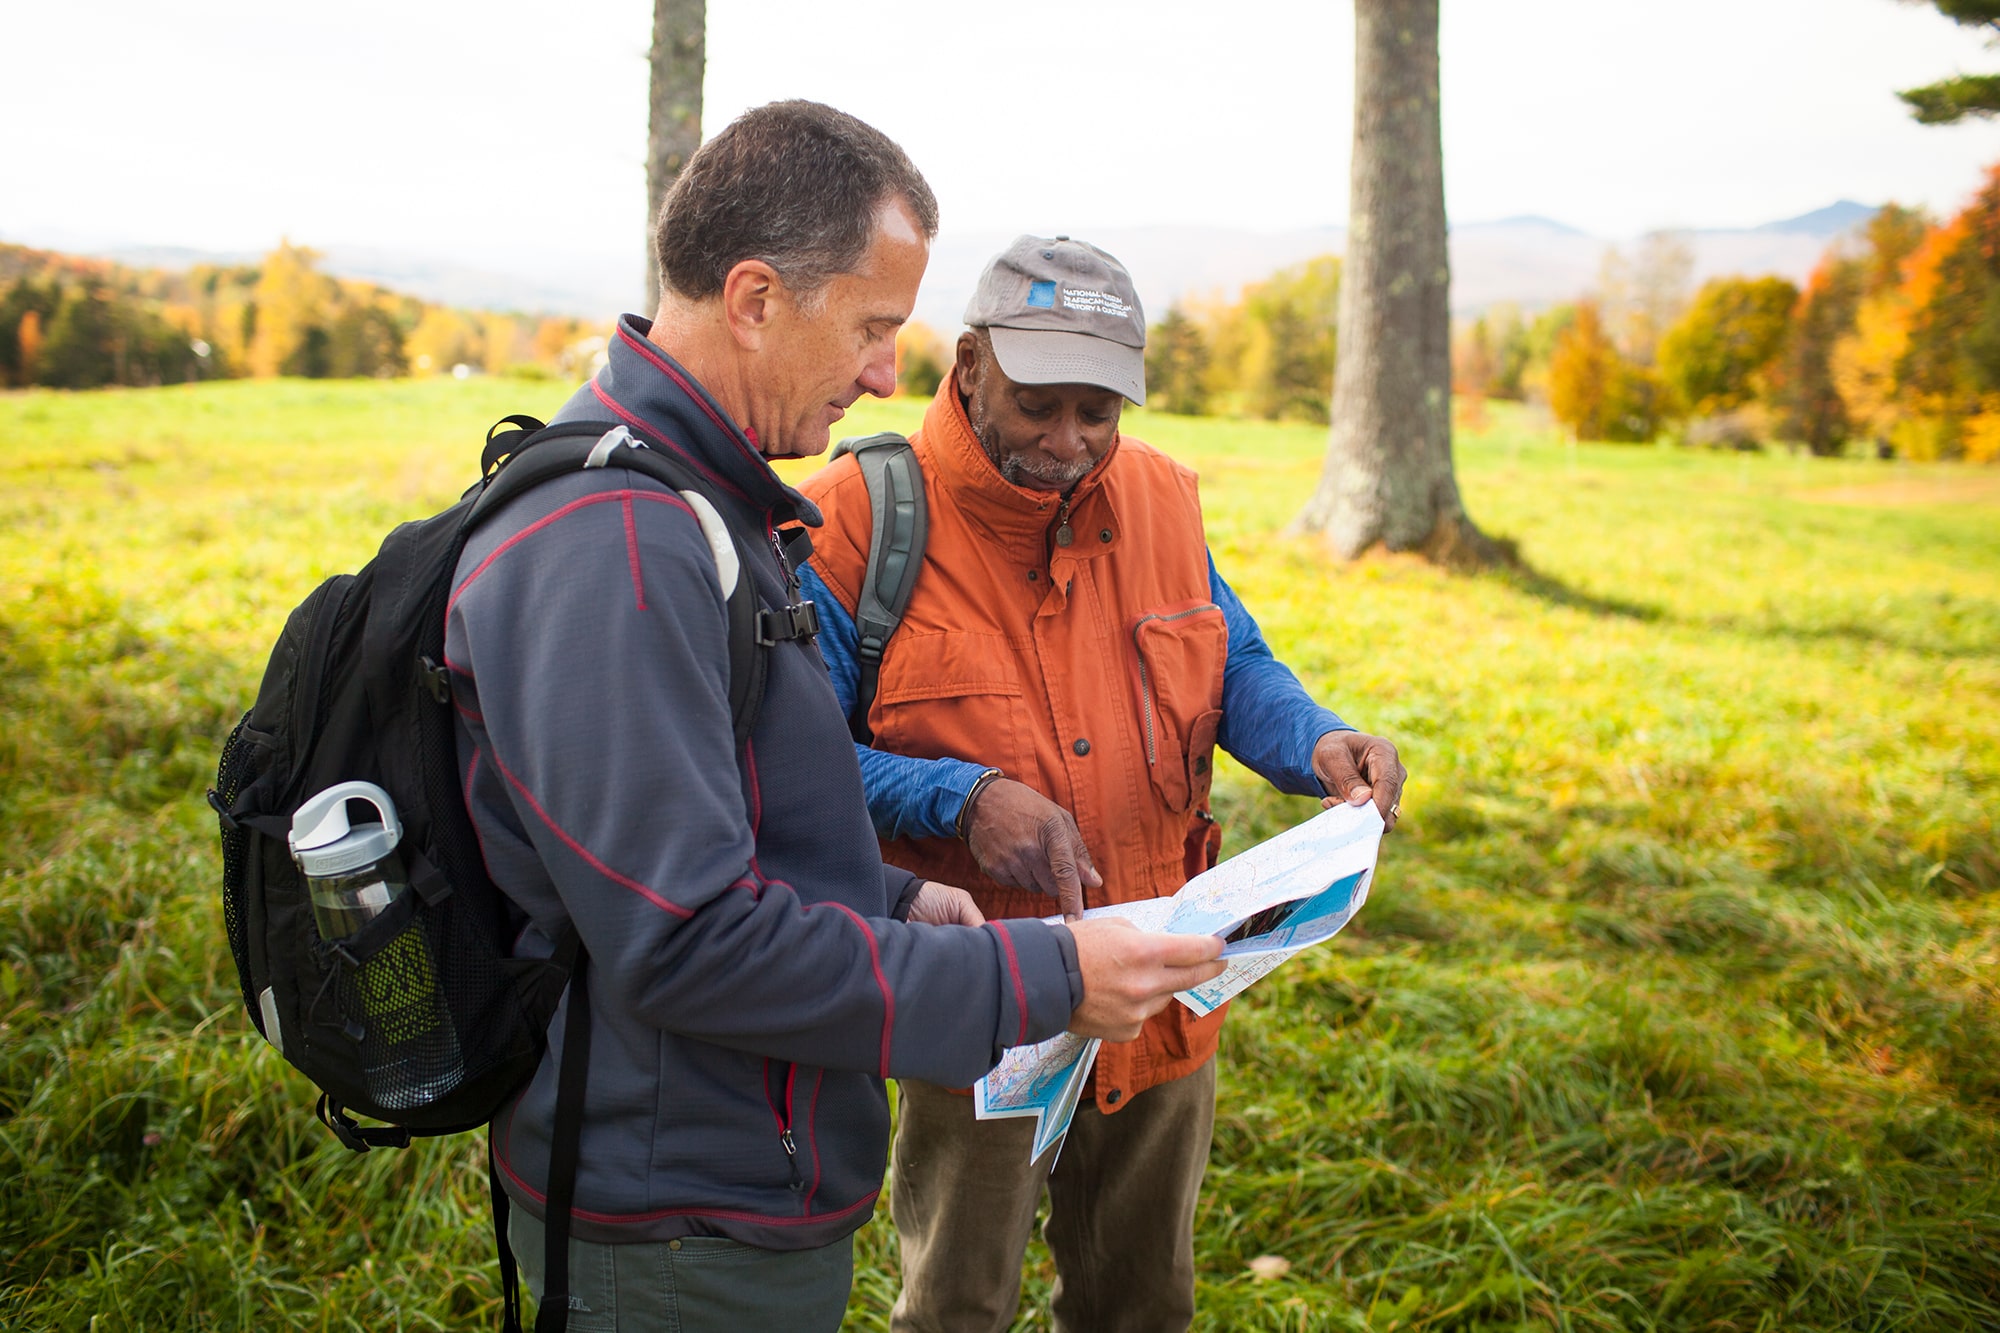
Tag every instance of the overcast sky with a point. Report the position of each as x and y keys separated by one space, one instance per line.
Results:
x=500 y=131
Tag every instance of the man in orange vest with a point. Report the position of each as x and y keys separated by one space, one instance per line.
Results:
x=1042 y=732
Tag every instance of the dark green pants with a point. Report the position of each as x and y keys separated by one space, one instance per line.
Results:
x=1121 y=1211
x=701 y=1284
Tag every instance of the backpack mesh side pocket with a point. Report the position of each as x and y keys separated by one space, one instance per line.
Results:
x=391 y=1004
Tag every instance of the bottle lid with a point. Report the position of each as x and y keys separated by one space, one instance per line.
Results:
x=322 y=840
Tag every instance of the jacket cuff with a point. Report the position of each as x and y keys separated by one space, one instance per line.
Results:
x=1040 y=986
x=1066 y=942
x=907 y=897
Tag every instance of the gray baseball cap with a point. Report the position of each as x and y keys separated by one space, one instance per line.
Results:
x=1062 y=312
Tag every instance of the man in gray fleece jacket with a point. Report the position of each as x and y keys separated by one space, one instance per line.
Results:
x=756 y=971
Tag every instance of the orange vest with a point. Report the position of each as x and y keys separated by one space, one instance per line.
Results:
x=1075 y=648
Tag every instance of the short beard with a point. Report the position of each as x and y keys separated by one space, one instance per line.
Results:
x=1014 y=468
x=1058 y=476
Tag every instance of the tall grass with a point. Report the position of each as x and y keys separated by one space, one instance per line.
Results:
x=1675 y=1006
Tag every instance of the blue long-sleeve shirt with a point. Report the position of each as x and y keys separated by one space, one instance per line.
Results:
x=1269 y=723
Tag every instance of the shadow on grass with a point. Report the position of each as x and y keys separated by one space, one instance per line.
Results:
x=1892 y=631
x=1921 y=640
x=1523 y=577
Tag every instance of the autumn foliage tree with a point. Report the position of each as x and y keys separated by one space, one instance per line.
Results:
x=1290 y=340
x=1597 y=392
x=69 y=322
x=292 y=301
x=1865 y=359
x=1581 y=369
x=922 y=359
x=1717 y=357
x=1177 y=361
x=1813 y=411
x=1950 y=369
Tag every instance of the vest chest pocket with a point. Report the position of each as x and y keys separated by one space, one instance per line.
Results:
x=950 y=695
x=1179 y=653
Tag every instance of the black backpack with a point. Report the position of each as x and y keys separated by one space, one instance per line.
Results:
x=356 y=690
x=899 y=531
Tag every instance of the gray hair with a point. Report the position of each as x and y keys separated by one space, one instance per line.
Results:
x=796 y=184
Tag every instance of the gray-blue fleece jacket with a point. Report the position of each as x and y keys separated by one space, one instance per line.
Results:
x=750 y=988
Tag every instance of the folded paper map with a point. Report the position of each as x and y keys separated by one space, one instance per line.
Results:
x=1287 y=894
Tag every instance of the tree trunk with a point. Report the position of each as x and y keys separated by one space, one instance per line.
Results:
x=1388 y=477
x=673 y=129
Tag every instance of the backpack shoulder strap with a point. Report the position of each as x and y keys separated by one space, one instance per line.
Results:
x=899 y=529
x=532 y=454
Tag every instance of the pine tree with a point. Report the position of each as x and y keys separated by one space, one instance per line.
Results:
x=1950 y=100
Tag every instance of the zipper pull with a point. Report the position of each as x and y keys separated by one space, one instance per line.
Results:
x=784 y=564
x=1063 y=534
x=792 y=1159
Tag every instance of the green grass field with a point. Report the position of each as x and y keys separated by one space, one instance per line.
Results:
x=1676 y=1006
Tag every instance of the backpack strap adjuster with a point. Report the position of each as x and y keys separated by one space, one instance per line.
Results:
x=800 y=620
x=435 y=679
x=229 y=822
x=353 y=1134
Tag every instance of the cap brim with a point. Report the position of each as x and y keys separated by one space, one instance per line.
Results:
x=1048 y=356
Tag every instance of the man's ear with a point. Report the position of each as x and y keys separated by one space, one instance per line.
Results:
x=966 y=366
x=752 y=296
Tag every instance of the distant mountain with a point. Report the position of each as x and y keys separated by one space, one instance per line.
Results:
x=1825 y=223
x=1533 y=221
x=592 y=287
x=1529 y=261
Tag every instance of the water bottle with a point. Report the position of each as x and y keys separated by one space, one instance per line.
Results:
x=409 y=1050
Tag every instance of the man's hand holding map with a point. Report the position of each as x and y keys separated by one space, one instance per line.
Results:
x=1294 y=891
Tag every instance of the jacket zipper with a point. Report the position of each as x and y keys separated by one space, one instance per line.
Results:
x=784 y=565
x=1146 y=678
x=783 y=1111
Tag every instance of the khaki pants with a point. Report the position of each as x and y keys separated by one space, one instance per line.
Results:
x=699 y=1284
x=1121 y=1211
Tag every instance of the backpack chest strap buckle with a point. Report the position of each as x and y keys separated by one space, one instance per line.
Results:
x=800 y=620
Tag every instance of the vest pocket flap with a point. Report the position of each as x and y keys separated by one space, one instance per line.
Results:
x=946 y=666
x=1179 y=654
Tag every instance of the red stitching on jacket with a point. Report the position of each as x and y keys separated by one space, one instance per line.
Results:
x=601 y=497
x=1014 y=971
x=632 y=553
x=812 y=1137
x=777 y=1114
x=465 y=794
x=881 y=979
x=616 y=1219
x=654 y=432
x=666 y=368
x=624 y=881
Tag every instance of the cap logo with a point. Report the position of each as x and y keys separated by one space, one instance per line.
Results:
x=1042 y=295
x=1088 y=302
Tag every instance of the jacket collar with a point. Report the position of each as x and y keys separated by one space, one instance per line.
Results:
x=651 y=392
x=1011 y=515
